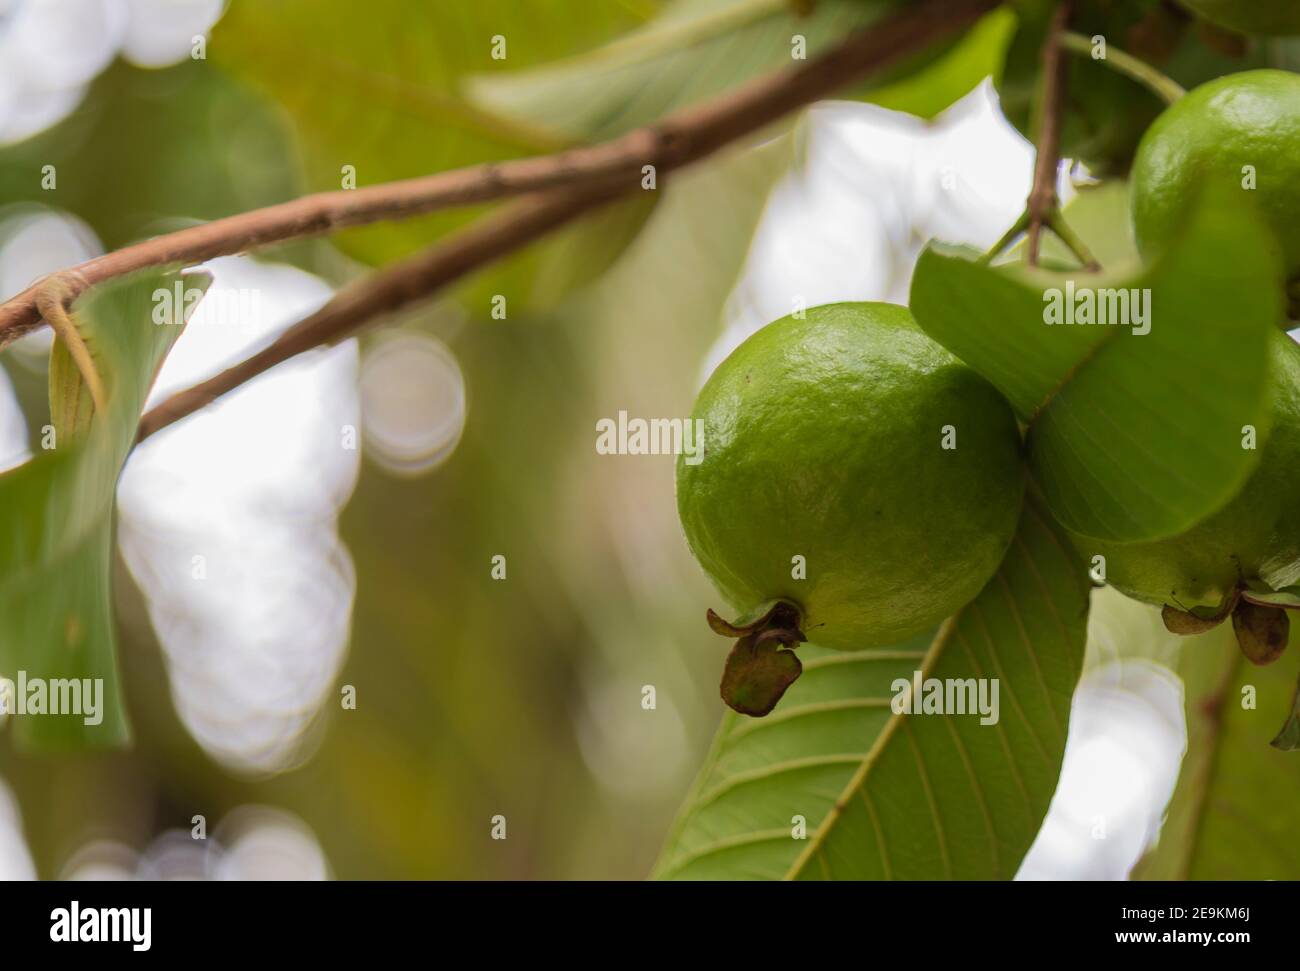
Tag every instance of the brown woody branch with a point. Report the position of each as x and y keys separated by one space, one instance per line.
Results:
x=388 y=289
x=676 y=140
x=606 y=172
x=1042 y=203
x=575 y=181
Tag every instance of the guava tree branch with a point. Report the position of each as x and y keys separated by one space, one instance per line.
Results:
x=1042 y=202
x=674 y=141
x=389 y=288
x=572 y=182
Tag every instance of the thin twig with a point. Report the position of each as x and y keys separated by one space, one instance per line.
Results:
x=687 y=137
x=1007 y=239
x=1157 y=82
x=1042 y=197
x=388 y=289
x=676 y=140
x=1057 y=222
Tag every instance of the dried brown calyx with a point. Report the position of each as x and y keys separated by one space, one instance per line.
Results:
x=1259 y=619
x=762 y=664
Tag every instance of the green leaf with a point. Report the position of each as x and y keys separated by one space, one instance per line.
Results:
x=1233 y=813
x=700 y=48
x=1127 y=440
x=56 y=515
x=1258 y=592
x=382 y=93
x=888 y=795
x=1288 y=739
x=978 y=54
x=696 y=49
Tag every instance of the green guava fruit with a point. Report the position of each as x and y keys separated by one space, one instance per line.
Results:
x=1210 y=136
x=1253 y=540
x=825 y=487
x=1271 y=17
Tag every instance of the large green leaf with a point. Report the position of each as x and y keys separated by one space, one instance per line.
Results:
x=888 y=795
x=1233 y=813
x=381 y=92
x=56 y=514
x=1131 y=437
x=700 y=48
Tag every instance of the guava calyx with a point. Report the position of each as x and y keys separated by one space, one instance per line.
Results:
x=1262 y=632
x=1188 y=622
x=1259 y=619
x=762 y=664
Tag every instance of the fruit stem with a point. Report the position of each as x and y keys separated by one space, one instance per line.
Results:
x=1018 y=227
x=1056 y=221
x=1047 y=136
x=1157 y=82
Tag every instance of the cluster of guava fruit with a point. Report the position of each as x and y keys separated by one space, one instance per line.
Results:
x=860 y=484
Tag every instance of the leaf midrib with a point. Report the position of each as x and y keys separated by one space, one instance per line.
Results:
x=1071 y=373
x=859 y=777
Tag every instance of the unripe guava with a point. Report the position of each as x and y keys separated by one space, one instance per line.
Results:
x=1271 y=17
x=825 y=482
x=1255 y=537
x=1211 y=135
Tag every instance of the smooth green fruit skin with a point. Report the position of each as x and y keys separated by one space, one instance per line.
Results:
x=1256 y=535
x=1209 y=135
x=1270 y=17
x=822 y=440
